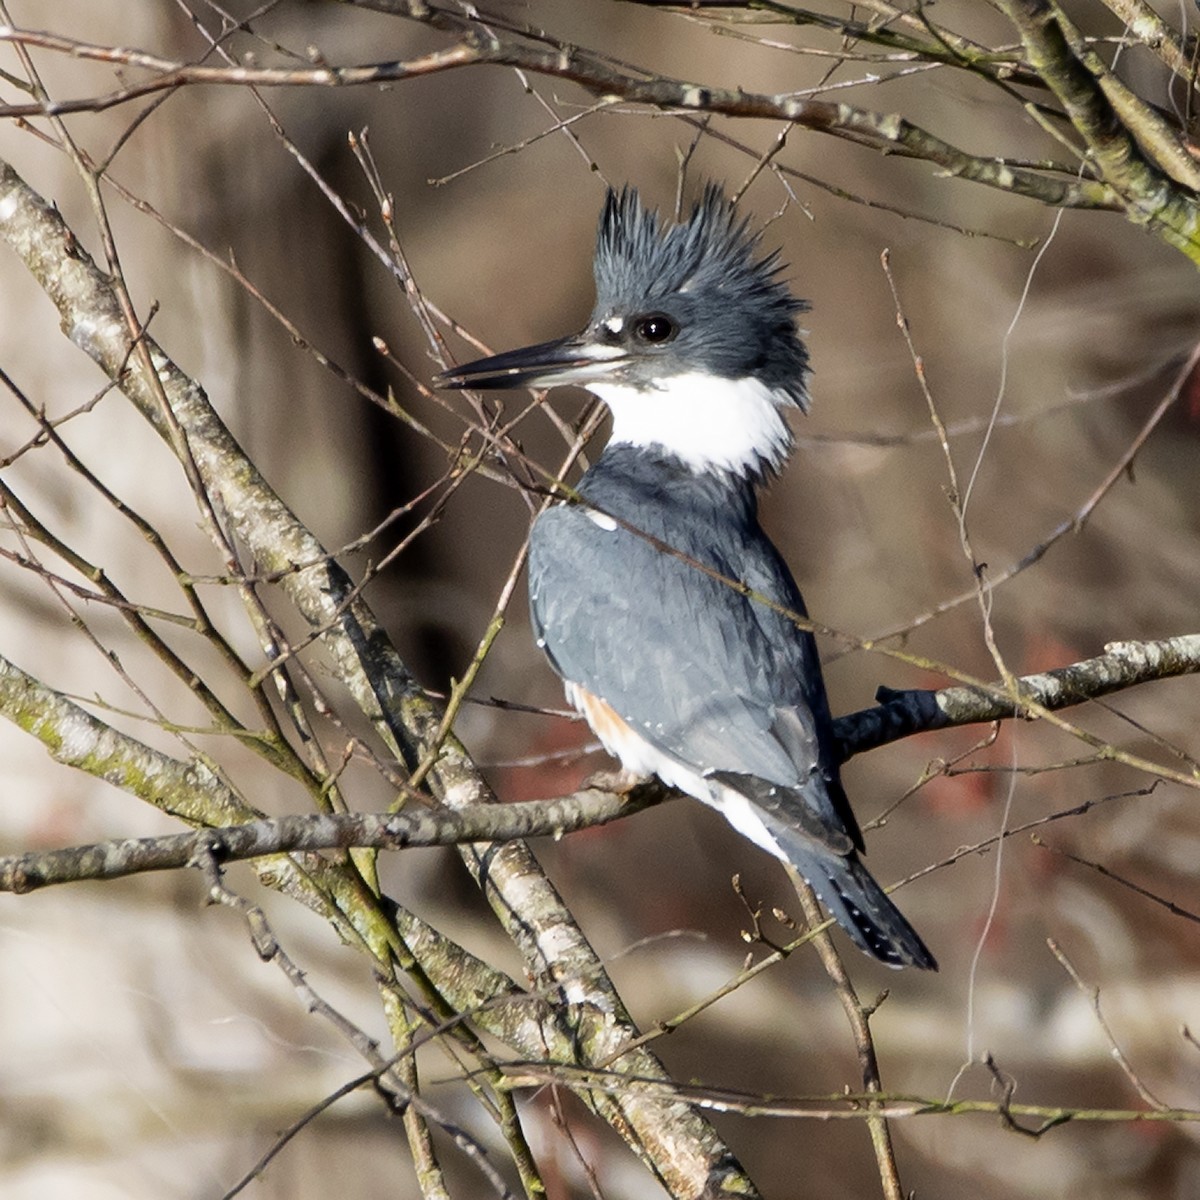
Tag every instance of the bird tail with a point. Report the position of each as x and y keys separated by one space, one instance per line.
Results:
x=858 y=904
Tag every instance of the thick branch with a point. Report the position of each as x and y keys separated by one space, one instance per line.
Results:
x=1124 y=665
x=191 y=791
x=323 y=831
x=886 y=132
x=1160 y=139
x=1150 y=30
x=1149 y=196
x=676 y=1142
x=900 y=714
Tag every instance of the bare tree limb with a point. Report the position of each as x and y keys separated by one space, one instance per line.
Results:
x=886 y=132
x=1161 y=141
x=1124 y=665
x=859 y=1017
x=1150 y=30
x=855 y=1106
x=675 y=1142
x=1148 y=195
x=899 y=715
x=324 y=831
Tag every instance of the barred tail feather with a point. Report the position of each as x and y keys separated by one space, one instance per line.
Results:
x=791 y=825
x=859 y=905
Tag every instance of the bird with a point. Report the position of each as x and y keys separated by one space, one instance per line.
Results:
x=654 y=591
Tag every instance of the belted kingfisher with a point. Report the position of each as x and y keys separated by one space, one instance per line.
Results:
x=693 y=347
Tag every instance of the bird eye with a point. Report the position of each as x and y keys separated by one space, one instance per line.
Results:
x=655 y=328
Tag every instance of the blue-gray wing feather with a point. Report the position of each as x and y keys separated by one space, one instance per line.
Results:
x=717 y=679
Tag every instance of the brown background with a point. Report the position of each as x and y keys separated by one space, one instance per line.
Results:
x=144 y=1051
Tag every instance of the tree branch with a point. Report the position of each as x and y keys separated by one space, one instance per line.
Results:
x=325 y=831
x=889 y=133
x=1124 y=665
x=859 y=1017
x=677 y=1144
x=900 y=714
x=1148 y=195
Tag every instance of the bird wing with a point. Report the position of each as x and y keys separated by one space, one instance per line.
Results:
x=720 y=681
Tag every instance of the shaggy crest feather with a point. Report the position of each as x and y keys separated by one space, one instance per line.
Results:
x=707 y=264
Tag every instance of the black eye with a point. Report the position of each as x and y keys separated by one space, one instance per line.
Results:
x=655 y=328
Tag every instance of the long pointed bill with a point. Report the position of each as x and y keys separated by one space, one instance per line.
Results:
x=565 y=360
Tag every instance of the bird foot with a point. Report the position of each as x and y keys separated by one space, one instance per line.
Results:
x=620 y=781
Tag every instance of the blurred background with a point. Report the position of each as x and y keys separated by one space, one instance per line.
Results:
x=144 y=1049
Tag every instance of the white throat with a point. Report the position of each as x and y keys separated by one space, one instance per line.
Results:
x=710 y=423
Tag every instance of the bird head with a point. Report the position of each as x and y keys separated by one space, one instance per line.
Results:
x=692 y=342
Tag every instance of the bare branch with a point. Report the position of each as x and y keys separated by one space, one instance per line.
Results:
x=324 y=831
x=887 y=132
x=859 y=1017
x=1124 y=665
x=854 y=1106
x=899 y=715
x=675 y=1142
x=1148 y=196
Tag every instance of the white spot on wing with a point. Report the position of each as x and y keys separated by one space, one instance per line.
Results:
x=603 y=520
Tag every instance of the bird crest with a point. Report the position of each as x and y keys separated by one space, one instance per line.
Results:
x=710 y=267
